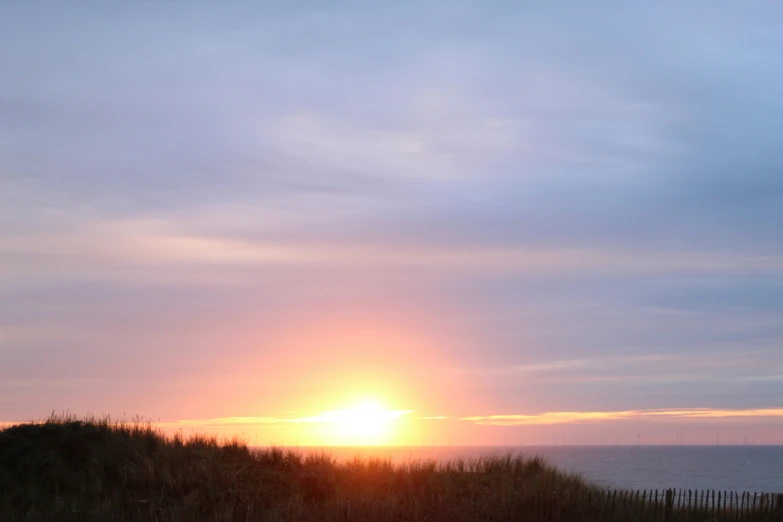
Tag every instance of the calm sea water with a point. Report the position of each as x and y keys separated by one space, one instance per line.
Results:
x=730 y=468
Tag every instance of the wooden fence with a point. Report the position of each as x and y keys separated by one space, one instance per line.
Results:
x=670 y=505
x=599 y=506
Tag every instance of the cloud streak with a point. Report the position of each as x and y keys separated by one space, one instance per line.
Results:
x=567 y=417
x=546 y=418
x=150 y=243
x=326 y=417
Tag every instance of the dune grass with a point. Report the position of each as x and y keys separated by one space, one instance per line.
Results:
x=97 y=469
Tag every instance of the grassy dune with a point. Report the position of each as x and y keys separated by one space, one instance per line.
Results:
x=95 y=469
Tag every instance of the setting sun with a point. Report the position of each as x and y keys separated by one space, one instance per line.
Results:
x=366 y=423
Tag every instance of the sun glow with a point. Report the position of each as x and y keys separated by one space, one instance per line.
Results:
x=366 y=423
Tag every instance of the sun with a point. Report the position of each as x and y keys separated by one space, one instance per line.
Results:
x=365 y=423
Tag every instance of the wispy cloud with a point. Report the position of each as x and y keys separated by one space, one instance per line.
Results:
x=227 y=421
x=110 y=247
x=564 y=417
x=567 y=417
x=326 y=417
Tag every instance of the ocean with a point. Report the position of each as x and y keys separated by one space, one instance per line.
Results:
x=725 y=468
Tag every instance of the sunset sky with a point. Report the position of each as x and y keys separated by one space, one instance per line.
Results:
x=475 y=222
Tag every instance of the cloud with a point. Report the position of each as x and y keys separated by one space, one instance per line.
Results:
x=577 y=417
x=228 y=421
x=113 y=248
x=326 y=417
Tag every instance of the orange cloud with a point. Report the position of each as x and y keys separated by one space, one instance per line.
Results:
x=565 y=417
x=224 y=421
x=323 y=417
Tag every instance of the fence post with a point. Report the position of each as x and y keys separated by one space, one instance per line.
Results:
x=667 y=513
x=741 y=511
x=614 y=503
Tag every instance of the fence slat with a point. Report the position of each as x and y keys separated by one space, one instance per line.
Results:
x=680 y=504
x=642 y=507
x=635 y=505
x=713 y=503
x=681 y=498
x=730 y=506
x=743 y=504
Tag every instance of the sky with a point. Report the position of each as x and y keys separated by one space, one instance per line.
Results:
x=502 y=222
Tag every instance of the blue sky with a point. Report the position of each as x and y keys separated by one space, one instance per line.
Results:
x=478 y=208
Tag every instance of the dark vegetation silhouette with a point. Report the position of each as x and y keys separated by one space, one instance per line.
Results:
x=66 y=469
